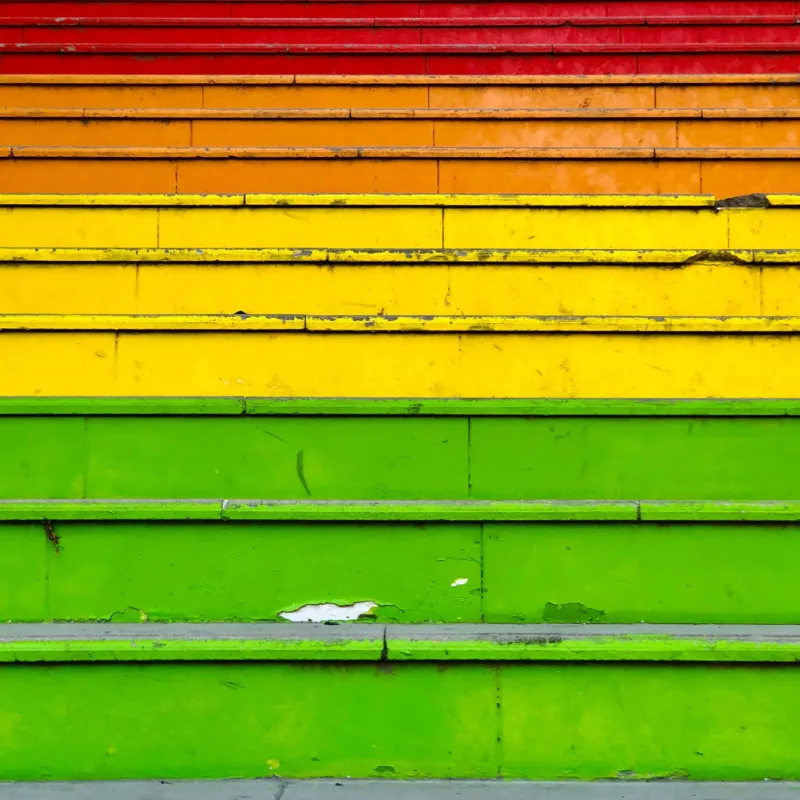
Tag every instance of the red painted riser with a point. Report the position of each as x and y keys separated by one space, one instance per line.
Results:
x=568 y=9
x=619 y=35
x=383 y=63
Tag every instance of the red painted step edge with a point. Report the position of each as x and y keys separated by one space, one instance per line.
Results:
x=387 y=61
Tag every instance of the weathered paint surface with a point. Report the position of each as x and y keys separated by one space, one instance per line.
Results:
x=708 y=58
x=609 y=572
x=308 y=364
x=399 y=92
x=390 y=323
x=722 y=171
x=245 y=571
x=611 y=457
x=713 y=288
x=572 y=223
x=150 y=643
x=134 y=224
x=621 y=572
x=363 y=456
x=415 y=127
x=541 y=721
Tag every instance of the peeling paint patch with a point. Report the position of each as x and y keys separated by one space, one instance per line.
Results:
x=329 y=612
x=571 y=613
x=460 y=582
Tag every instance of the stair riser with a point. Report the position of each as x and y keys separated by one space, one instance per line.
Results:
x=168 y=288
x=609 y=572
x=389 y=226
x=563 y=175
x=410 y=33
x=698 y=61
x=476 y=365
x=401 y=133
x=541 y=721
x=397 y=8
x=405 y=457
x=177 y=95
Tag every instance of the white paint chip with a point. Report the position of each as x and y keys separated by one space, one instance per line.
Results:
x=328 y=612
x=460 y=581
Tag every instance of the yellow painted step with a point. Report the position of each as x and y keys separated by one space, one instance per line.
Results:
x=722 y=91
x=286 y=363
x=455 y=282
x=397 y=222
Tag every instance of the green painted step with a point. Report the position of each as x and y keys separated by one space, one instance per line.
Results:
x=409 y=562
x=412 y=562
x=277 y=789
x=551 y=702
x=400 y=450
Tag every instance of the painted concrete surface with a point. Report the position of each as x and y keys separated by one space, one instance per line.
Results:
x=271 y=789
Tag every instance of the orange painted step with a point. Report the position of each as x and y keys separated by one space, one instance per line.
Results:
x=720 y=171
x=288 y=91
x=401 y=128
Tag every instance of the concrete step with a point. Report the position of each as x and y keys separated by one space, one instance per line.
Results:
x=407 y=221
x=382 y=59
x=377 y=46
x=622 y=34
x=374 y=282
x=681 y=10
x=275 y=789
x=496 y=561
x=301 y=701
x=398 y=92
x=738 y=357
x=398 y=450
x=476 y=170
x=440 y=128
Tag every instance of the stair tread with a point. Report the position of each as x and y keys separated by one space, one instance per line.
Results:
x=151 y=642
x=276 y=789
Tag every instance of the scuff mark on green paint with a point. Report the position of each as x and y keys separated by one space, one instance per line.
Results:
x=274 y=436
x=571 y=612
x=53 y=539
x=632 y=775
x=301 y=474
x=129 y=614
x=385 y=769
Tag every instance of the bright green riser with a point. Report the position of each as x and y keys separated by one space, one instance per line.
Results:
x=516 y=572
x=401 y=457
x=454 y=720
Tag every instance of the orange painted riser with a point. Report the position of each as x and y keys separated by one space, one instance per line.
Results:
x=599 y=171
x=289 y=91
x=406 y=128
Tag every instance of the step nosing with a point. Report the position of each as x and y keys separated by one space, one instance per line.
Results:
x=274 y=788
x=372 y=642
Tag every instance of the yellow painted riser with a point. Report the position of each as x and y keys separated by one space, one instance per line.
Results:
x=724 y=177
x=398 y=227
x=164 y=288
x=400 y=365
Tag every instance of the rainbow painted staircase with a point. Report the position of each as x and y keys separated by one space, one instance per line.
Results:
x=420 y=401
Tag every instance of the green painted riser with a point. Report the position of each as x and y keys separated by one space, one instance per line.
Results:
x=515 y=572
x=467 y=720
x=401 y=457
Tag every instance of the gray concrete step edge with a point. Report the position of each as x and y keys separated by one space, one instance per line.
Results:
x=321 y=632
x=275 y=789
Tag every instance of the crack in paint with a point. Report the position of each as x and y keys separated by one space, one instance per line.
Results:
x=301 y=474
